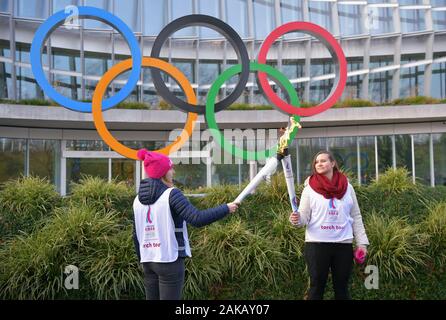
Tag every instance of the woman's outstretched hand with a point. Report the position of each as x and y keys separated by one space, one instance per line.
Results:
x=294 y=218
x=233 y=206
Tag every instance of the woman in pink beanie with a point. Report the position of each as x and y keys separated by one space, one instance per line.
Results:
x=161 y=213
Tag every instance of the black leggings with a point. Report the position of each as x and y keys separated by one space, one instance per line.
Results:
x=323 y=257
x=164 y=281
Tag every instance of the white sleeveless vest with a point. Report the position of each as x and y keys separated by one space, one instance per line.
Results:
x=155 y=231
x=330 y=218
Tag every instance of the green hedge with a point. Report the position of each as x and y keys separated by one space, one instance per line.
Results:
x=24 y=204
x=253 y=254
x=347 y=103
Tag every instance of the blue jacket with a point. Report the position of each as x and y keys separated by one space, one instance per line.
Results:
x=182 y=210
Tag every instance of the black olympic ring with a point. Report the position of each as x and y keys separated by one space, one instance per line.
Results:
x=228 y=32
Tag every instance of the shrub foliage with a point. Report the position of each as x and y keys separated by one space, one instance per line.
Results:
x=253 y=254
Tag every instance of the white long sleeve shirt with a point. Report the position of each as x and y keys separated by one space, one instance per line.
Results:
x=331 y=220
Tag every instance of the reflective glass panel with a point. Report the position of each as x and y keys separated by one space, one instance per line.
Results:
x=350 y=19
x=31 y=9
x=12 y=158
x=439 y=142
x=422 y=162
x=124 y=170
x=384 y=153
x=130 y=12
x=155 y=16
x=367 y=159
x=403 y=151
x=81 y=167
x=412 y=20
x=44 y=159
x=263 y=18
x=320 y=13
x=379 y=20
x=345 y=151
x=190 y=176
x=237 y=16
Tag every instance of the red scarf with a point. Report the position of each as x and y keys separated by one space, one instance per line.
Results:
x=336 y=188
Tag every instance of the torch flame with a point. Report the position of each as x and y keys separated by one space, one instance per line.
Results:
x=284 y=139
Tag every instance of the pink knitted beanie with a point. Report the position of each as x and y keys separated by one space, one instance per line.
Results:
x=156 y=164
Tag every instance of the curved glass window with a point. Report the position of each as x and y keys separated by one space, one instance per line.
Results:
x=350 y=19
x=422 y=163
x=237 y=16
x=31 y=9
x=208 y=71
x=439 y=20
x=379 y=20
x=291 y=10
x=320 y=13
x=95 y=24
x=263 y=18
x=380 y=83
x=190 y=175
x=5 y=50
x=210 y=8
x=5 y=81
x=12 y=158
x=4 y=6
x=438 y=3
x=69 y=86
x=96 y=64
x=67 y=60
x=367 y=159
x=27 y=87
x=44 y=158
x=345 y=151
x=181 y=8
x=403 y=151
x=380 y=86
x=412 y=20
x=130 y=12
x=438 y=82
x=124 y=170
x=409 y=2
x=77 y=168
x=63 y=4
x=384 y=153
x=411 y=79
x=439 y=142
x=155 y=16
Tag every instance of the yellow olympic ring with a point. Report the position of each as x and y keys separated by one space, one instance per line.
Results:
x=125 y=65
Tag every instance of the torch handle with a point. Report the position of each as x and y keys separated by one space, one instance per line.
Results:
x=269 y=168
x=289 y=178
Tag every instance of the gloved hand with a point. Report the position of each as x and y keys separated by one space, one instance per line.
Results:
x=360 y=254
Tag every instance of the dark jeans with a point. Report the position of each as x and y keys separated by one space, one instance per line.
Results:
x=164 y=281
x=323 y=257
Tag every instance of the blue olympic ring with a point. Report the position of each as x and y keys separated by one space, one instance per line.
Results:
x=57 y=19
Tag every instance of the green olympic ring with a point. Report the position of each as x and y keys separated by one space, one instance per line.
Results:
x=278 y=77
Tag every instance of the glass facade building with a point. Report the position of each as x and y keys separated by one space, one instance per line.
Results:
x=394 y=49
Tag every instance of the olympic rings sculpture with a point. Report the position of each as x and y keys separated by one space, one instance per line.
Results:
x=243 y=69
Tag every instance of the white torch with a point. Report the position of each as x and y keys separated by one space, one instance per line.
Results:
x=271 y=166
x=268 y=169
x=289 y=178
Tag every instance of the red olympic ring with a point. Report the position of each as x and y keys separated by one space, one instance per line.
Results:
x=339 y=60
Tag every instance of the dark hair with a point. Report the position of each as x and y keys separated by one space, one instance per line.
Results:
x=330 y=156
